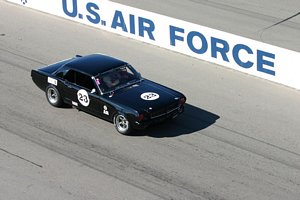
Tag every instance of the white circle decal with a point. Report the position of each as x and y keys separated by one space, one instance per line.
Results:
x=83 y=97
x=149 y=96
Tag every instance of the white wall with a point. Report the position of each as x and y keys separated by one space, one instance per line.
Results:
x=232 y=51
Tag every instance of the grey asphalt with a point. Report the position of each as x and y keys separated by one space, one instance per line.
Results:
x=238 y=138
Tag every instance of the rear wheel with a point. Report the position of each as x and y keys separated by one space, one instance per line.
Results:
x=122 y=124
x=53 y=96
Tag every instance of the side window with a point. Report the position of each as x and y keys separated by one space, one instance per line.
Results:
x=70 y=76
x=62 y=73
x=84 y=81
x=79 y=79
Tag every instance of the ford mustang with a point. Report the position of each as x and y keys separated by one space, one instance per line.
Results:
x=110 y=89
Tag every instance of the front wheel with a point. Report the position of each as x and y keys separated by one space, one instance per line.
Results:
x=122 y=124
x=53 y=96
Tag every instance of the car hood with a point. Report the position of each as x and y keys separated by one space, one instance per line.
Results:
x=146 y=96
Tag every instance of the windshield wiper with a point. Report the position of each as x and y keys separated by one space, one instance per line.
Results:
x=128 y=84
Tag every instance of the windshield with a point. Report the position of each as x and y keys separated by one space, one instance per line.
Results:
x=117 y=78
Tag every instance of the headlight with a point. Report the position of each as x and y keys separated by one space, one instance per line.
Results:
x=140 y=117
x=182 y=100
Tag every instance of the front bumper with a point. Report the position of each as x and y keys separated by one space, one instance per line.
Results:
x=158 y=119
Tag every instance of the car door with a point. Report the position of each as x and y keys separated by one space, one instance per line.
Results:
x=90 y=98
x=81 y=92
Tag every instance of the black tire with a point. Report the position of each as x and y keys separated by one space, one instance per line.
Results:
x=122 y=124
x=53 y=96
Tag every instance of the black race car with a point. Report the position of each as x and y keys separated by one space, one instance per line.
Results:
x=110 y=89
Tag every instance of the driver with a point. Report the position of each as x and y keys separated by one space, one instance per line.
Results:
x=112 y=79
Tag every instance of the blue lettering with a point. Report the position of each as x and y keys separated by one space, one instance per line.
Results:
x=235 y=52
x=65 y=8
x=95 y=18
x=146 y=25
x=222 y=50
x=204 y=44
x=173 y=35
x=118 y=21
x=198 y=44
x=261 y=62
x=132 y=24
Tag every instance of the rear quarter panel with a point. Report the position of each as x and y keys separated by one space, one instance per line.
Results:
x=41 y=76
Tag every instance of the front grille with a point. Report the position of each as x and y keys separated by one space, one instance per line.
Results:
x=164 y=111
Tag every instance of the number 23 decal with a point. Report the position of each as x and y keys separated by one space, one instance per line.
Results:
x=83 y=97
x=149 y=96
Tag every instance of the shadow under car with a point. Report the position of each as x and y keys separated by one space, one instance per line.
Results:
x=193 y=119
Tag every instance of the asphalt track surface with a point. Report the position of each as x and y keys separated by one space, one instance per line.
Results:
x=238 y=138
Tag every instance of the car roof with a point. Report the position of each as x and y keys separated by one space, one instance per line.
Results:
x=94 y=64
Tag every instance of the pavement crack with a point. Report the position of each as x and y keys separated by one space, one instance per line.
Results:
x=24 y=159
x=282 y=21
x=262 y=31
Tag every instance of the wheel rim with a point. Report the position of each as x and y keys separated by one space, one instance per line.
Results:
x=52 y=96
x=122 y=123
